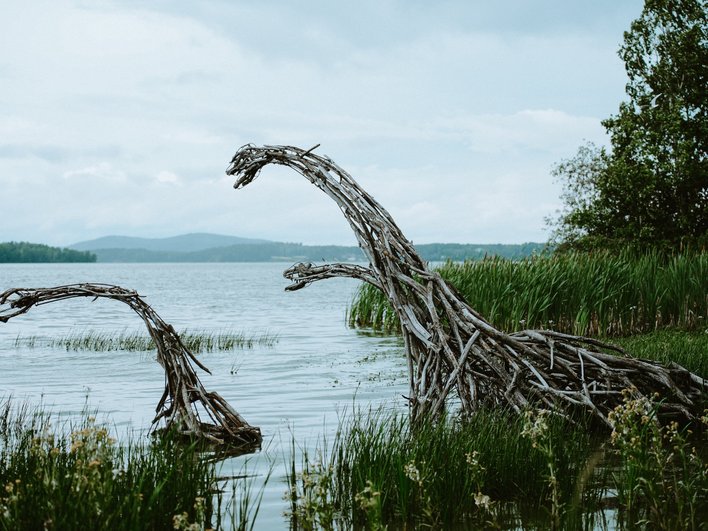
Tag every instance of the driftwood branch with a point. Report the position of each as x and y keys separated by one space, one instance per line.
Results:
x=185 y=406
x=453 y=352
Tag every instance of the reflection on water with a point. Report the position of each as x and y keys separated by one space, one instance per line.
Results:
x=317 y=368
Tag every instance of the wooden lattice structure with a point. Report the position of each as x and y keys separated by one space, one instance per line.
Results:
x=185 y=407
x=453 y=352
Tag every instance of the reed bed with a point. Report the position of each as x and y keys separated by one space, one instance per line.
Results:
x=379 y=472
x=688 y=349
x=502 y=471
x=78 y=477
x=194 y=340
x=589 y=294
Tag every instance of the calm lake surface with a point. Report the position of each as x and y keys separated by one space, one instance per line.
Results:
x=318 y=368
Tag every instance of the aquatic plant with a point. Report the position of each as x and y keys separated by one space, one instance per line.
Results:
x=537 y=429
x=104 y=341
x=380 y=472
x=242 y=508
x=688 y=349
x=661 y=480
x=596 y=294
x=500 y=470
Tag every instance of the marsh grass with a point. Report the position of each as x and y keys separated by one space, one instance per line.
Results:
x=483 y=471
x=688 y=349
x=501 y=470
x=661 y=479
x=597 y=294
x=78 y=477
x=194 y=340
x=242 y=508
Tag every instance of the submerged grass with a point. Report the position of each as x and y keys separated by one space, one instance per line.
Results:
x=194 y=340
x=596 y=294
x=79 y=477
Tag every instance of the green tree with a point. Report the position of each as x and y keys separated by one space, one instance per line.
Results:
x=651 y=187
x=25 y=252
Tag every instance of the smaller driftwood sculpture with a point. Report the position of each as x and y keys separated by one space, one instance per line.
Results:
x=184 y=395
x=453 y=352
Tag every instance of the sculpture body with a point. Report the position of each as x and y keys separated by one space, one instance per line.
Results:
x=453 y=353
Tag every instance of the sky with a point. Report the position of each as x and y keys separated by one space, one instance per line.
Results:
x=120 y=117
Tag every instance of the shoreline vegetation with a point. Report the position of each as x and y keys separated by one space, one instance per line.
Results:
x=58 y=474
x=653 y=305
x=589 y=294
x=500 y=470
x=204 y=247
x=297 y=252
x=25 y=252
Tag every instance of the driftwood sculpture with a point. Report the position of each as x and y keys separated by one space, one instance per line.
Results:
x=453 y=352
x=184 y=395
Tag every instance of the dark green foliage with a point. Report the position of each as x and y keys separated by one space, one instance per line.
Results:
x=24 y=252
x=651 y=188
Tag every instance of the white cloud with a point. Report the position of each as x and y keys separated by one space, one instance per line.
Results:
x=167 y=177
x=450 y=114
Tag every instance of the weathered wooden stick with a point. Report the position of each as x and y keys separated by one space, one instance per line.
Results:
x=453 y=353
x=183 y=389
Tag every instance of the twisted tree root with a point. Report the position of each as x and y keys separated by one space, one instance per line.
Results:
x=183 y=389
x=454 y=353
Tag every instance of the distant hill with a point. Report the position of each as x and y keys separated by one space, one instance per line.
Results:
x=185 y=243
x=217 y=248
x=261 y=252
x=26 y=253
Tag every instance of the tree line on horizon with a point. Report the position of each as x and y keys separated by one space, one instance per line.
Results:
x=25 y=252
x=262 y=252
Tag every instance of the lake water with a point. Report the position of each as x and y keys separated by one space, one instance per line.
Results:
x=317 y=369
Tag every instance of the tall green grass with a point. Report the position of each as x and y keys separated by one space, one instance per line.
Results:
x=662 y=477
x=688 y=349
x=194 y=340
x=380 y=472
x=499 y=470
x=591 y=294
x=79 y=477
